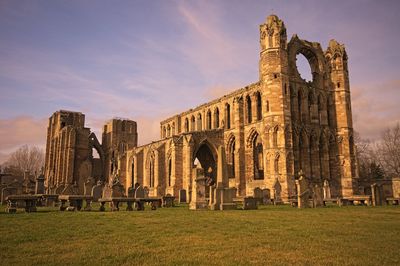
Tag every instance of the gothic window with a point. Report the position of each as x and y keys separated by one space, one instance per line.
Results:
x=168 y=131
x=228 y=116
x=267 y=106
x=231 y=157
x=258 y=158
x=209 y=119
x=259 y=106
x=192 y=124
x=173 y=128
x=164 y=132
x=123 y=126
x=186 y=125
x=248 y=104
x=169 y=172
x=216 y=118
x=199 y=122
x=151 y=172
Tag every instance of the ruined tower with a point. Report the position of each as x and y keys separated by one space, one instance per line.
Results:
x=119 y=135
x=66 y=150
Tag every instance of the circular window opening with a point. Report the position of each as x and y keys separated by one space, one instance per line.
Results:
x=303 y=67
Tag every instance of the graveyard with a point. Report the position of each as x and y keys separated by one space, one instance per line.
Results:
x=281 y=235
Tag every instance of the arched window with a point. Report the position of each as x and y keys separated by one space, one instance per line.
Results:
x=228 y=116
x=216 y=118
x=186 y=124
x=248 y=104
x=267 y=106
x=151 y=174
x=258 y=160
x=208 y=119
x=173 y=128
x=259 y=106
x=164 y=132
x=231 y=157
x=168 y=131
x=192 y=123
x=199 y=122
x=169 y=172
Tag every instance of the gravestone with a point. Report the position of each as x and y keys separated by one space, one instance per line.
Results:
x=87 y=187
x=146 y=192
x=258 y=195
x=221 y=198
x=276 y=189
x=303 y=192
x=59 y=189
x=377 y=194
x=39 y=187
x=117 y=189
x=182 y=196
x=327 y=190
x=266 y=195
x=139 y=192
x=318 y=196
x=97 y=191
x=198 y=201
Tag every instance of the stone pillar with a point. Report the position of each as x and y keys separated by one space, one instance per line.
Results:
x=239 y=145
x=198 y=200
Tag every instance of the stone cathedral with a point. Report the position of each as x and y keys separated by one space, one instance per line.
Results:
x=271 y=130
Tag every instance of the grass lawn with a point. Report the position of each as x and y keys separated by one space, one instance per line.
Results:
x=176 y=236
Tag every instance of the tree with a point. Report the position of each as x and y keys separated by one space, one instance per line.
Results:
x=368 y=163
x=389 y=151
x=26 y=158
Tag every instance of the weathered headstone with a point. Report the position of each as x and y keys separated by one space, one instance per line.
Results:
x=182 y=196
x=7 y=191
x=117 y=189
x=39 y=188
x=139 y=192
x=198 y=190
x=258 y=195
x=266 y=195
x=221 y=198
x=87 y=188
x=276 y=189
x=97 y=191
x=377 y=194
x=303 y=192
x=327 y=190
x=318 y=196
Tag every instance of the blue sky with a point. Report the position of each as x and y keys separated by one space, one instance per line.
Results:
x=146 y=60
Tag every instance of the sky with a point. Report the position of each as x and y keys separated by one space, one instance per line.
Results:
x=147 y=60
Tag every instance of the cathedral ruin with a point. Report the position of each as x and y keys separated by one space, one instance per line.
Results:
x=270 y=130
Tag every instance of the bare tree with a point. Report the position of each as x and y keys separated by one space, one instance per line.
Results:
x=389 y=151
x=26 y=158
x=368 y=164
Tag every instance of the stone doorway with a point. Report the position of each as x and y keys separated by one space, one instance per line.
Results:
x=205 y=157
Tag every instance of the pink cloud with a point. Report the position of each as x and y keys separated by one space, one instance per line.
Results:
x=15 y=132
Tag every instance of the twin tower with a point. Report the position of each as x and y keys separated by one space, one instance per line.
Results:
x=271 y=130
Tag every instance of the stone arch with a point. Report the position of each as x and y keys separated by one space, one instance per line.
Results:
x=216 y=118
x=258 y=105
x=192 y=123
x=199 y=122
x=95 y=144
x=248 y=109
x=228 y=115
x=186 y=125
x=231 y=154
x=313 y=53
x=209 y=120
x=253 y=134
x=206 y=154
x=150 y=167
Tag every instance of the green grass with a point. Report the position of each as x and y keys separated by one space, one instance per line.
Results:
x=176 y=236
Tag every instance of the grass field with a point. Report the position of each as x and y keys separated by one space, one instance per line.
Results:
x=176 y=236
